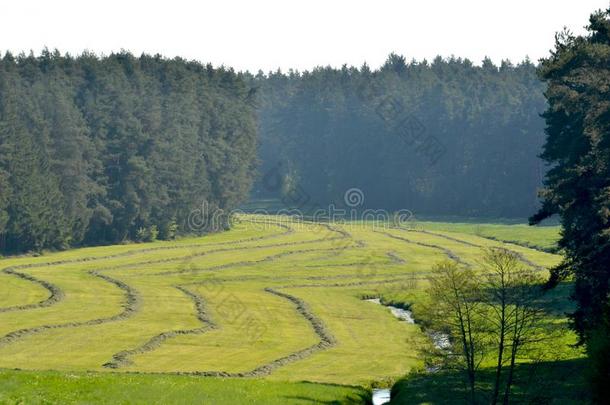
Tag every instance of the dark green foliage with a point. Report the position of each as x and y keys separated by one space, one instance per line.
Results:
x=440 y=138
x=598 y=350
x=93 y=150
x=578 y=185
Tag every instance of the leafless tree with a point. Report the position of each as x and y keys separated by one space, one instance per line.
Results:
x=453 y=300
x=509 y=294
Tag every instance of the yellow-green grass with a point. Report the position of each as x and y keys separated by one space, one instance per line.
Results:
x=271 y=299
x=371 y=343
x=15 y=291
x=253 y=327
x=85 y=297
x=256 y=228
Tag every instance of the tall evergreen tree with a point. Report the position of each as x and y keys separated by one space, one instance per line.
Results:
x=578 y=185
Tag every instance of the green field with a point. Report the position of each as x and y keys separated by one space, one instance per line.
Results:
x=270 y=311
x=537 y=237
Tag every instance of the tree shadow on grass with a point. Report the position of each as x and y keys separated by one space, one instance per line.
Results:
x=362 y=398
x=556 y=301
x=557 y=382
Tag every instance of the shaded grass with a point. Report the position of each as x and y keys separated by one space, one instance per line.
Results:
x=554 y=382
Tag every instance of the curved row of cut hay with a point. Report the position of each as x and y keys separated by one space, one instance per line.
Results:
x=122 y=358
x=448 y=252
x=55 y=293
x=129 y=308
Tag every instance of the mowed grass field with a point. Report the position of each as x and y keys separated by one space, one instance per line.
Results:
x=271 y=311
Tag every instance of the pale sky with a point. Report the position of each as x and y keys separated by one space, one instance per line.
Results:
x=267 y=34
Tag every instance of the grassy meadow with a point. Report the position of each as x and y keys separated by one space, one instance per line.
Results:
x=271 y=311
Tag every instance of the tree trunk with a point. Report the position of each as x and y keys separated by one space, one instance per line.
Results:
x=511 y=369
x=469 y=358
x=471 y=365
x=496 y=391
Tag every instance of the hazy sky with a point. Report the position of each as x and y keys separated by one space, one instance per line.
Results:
x=302 y=34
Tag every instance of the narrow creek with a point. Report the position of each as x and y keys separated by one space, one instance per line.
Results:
x=381 y=396
x=440 y=340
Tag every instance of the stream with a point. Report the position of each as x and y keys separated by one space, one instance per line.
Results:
x=402 y=314
x=440 y=340
x=381 y=396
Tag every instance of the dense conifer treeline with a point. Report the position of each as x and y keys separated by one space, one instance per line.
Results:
x=440 y=138
x=578 y=185
x=100 y=150
x=104 y=149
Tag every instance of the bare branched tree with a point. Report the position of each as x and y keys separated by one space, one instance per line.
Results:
x=491 y=313
x=509 y=294
x=454 y=298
